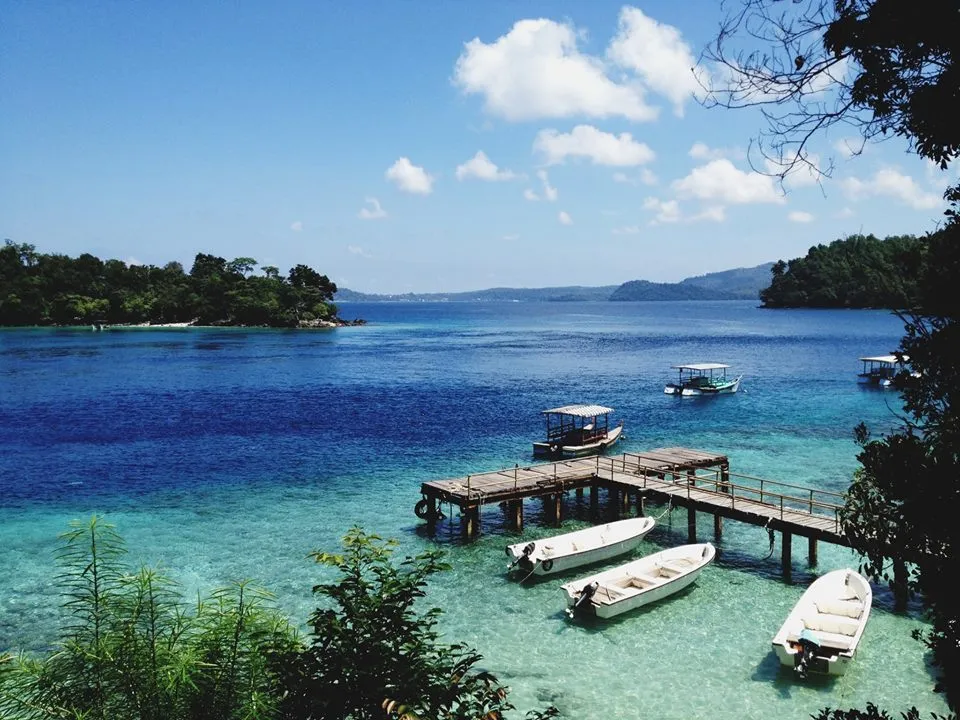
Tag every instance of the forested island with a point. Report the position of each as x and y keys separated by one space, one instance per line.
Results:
x=54 y=289
x=860 y=271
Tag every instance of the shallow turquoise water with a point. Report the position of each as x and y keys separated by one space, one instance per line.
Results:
x=224 y=454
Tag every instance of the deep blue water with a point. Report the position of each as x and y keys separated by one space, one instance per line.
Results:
x=227 y=453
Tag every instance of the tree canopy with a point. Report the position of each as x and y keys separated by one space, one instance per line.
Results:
x=859 y=271
x=39 y=289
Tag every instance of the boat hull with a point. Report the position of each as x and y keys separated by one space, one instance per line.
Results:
x=541 y=561
x=553 y=450
x=724 y=389
x=640 y=582
x=833 y=611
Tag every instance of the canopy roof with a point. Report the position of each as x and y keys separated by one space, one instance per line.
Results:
x=886 y=359
x=586 y=411
x=702 y=366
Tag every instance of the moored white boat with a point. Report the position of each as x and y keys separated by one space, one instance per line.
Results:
x=594 y=544
x=702 y=379
x=822 y=632
x=577 y=430
x=637 y=583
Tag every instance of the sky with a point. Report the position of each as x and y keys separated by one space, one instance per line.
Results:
x=412 y=145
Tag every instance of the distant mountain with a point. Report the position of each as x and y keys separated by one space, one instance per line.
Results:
x=738 y=284
x=553 y=294
x=742 y=283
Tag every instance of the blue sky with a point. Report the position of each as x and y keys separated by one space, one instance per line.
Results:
x=346 y=136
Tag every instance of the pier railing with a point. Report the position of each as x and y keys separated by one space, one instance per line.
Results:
x=732 y=488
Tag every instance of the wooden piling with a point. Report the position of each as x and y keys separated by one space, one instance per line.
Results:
x=557 y=508
x=471 y=517
x=515 y=515
x=717 y=527
x=691 y=524
x=641 y=505
x=812 y=551
x=625 y=502
x=594 y=500
x=786 y=558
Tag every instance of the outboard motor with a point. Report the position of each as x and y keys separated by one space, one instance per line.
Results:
x=809 y=644
x=583 y=598
x=524 y=559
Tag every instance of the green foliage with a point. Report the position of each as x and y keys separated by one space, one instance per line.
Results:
x=872 y=712
x=373 y=653
x=38 y=289
x=131 y=648
x=859 y=271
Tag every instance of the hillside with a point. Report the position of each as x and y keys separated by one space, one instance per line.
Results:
x=736 y=284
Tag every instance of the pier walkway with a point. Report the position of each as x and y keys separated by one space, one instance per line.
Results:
x=698 y=480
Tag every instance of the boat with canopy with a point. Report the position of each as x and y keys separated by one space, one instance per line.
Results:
x=702 y=379
x=576 y=430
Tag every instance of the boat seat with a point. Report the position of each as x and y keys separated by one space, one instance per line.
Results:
x=836 y=624
x=830 y=640
x=672 y=567
x=847 y=608
x=642 y=580
x=608 y=594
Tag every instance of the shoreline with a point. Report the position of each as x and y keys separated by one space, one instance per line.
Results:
x=99 y=327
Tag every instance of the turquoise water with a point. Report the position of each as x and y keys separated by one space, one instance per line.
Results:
x=227 y=454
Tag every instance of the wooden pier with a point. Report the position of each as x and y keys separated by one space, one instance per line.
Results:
x=697 y=480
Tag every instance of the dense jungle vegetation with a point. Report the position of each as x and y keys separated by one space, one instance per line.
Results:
x=41 y=289
x=860 y=271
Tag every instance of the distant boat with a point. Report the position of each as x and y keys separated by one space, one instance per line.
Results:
x=702 y=379
x=823 y=630
x=881 y=369
x=637 y=583
x=562 y=552
x=576 y=430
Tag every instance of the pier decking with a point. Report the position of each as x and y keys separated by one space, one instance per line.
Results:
x=697 y=480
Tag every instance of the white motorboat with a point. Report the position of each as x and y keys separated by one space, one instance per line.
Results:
x=823 y=630
x=638 y=583
x=702 y=379
x=581 y=547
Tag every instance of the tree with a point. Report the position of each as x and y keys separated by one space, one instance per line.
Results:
x=885 y=67
x=373 y=653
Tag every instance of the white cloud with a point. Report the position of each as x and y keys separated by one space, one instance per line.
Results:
x=355 y=250
x=804 y=170
x=667 y=211
x=132 y=261
x=512 y=237
x=587 y=141
x=657 y=54
x=296 y=226
x=647 y=177
x=891 y=183
x=845 y=213
x=622 y=178
x=564 y=218
x=849 y=146
x=481 y=167
x=719 y=180
x=626 y=230
x=549 y=192
x=410 y=178
x=537 y=71
x=530 y=195
x=374 y=212
x=702 y=151
x=799 y=216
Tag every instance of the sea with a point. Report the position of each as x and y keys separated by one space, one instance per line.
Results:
x=223 y=454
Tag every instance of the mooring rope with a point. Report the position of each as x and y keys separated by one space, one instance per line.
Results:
x=669 y=509
x=772 y=535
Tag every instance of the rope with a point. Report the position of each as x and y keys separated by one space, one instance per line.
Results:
x=669 y=509
x=772 y=536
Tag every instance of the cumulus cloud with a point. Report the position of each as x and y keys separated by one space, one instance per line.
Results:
x=721 y=181
x=537 y=71
x=845 y=213
x=296 y=226
x=482 y=168
x=797 y=171
x=355 y=250
x=530 y=195
x=668 y=211
x=658 y=55
x=374 y=212
x=891 y=183
x=799 y=216
x=549 y=192
x=849 y=146
x=409 y=177
x=564 y=218
x=702 y=151
x=586 y=141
